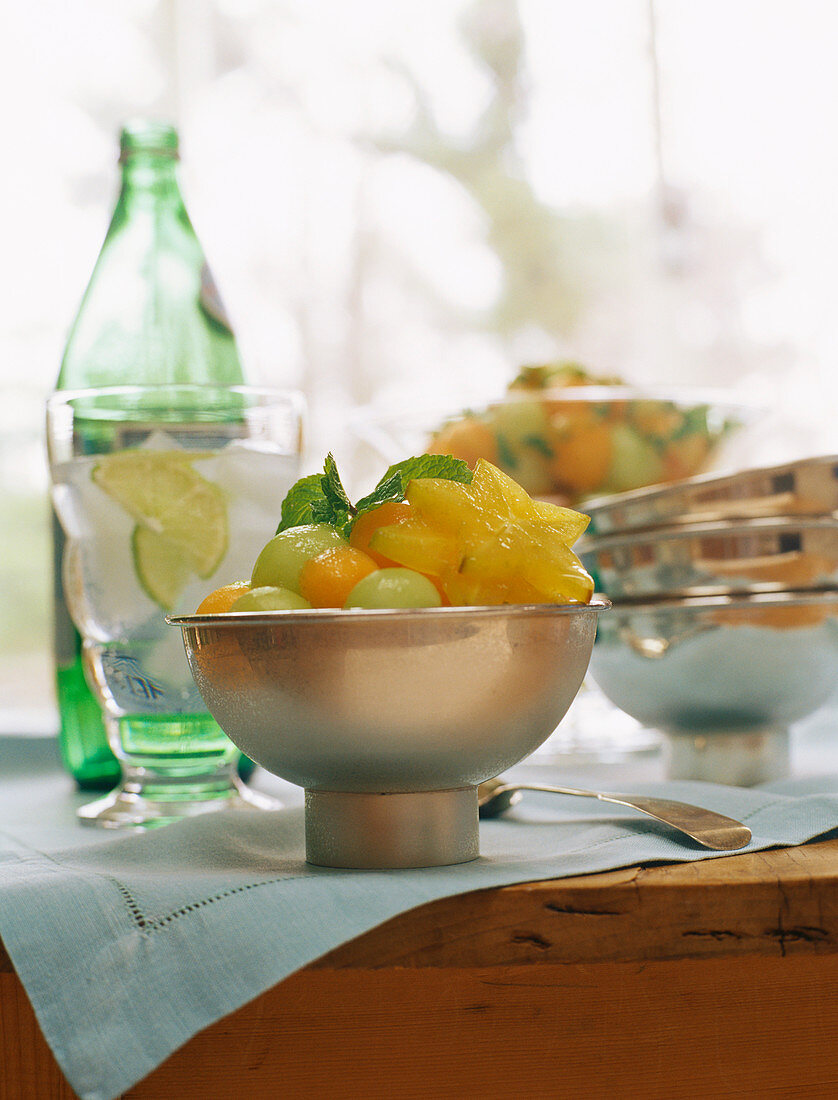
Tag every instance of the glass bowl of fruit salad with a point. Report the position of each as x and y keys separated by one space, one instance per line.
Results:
x=390 y=655
x=566 y=434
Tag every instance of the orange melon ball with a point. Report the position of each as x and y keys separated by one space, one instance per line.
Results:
x=582 y=456
x=468 y=439
x=327 y=579
x=222 y=599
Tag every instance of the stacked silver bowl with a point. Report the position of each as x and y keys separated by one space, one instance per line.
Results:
x=724 y=626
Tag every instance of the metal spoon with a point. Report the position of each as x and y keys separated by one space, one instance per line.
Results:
x=713 y=830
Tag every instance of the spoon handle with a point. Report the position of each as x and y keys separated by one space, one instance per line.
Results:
x=712 y=830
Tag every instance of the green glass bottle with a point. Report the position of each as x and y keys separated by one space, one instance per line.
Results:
x=150 y=314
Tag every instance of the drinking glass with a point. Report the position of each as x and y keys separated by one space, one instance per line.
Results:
x=164 y=493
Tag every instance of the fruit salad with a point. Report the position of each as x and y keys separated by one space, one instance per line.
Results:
x=434 y=532
x=565 y=432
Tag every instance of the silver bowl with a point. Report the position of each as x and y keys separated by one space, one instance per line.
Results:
x=390 y=719
x=805 y=487
x=731 y=556
x=720 y=667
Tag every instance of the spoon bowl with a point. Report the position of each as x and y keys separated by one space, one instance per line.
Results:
x=706 y=827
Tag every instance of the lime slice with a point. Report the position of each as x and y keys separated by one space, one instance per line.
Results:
x=162 y=567
x=163 y=493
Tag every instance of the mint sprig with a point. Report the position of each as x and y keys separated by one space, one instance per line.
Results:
x=321 y=498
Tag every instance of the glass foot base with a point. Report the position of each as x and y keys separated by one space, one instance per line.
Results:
x=596 y=732
x=133 y=806
x=572 y=749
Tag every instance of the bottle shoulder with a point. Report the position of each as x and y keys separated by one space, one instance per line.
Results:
x=151 y=311
x=154 y=320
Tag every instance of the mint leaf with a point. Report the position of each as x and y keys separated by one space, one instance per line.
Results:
x=394 y=483
x=389 y=488
x=338 y=509
x=539 y=443
x=442 y=466
x=303 y=499
x=324 y=511
x=321 y=498
x=508 y=458
x=333 y=488
x=317 y=498
x=695 y=420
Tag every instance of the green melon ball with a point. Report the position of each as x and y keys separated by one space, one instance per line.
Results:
x=519 y=419
x=394 y=587
x=634 y=461
x=270 y=598
x=281 y=559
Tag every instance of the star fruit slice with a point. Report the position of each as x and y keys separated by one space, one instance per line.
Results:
x=500 y=546
x=534 y=555
x=502 y=497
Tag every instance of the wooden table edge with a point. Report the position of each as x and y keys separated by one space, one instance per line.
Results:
x=774 y=901
x=738 y=954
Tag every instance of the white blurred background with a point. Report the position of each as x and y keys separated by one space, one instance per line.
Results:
x=406 y=201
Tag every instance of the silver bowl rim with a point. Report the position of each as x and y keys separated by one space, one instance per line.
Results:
x=430 y=417
x=295 y=396
x=746 y=525
x=387 y=614
x=714 y=602
x=682 y=395
x=651 y=493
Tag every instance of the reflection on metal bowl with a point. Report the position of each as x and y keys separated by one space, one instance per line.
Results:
x=806 y=487
x=771 y=554
x=724 y=665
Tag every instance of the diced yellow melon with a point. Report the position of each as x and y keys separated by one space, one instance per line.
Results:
x=414 y=544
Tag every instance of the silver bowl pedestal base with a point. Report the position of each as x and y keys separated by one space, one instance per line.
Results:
x=378 y=831
x=739 y=758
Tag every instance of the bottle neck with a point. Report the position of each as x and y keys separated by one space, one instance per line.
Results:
x=149 y=179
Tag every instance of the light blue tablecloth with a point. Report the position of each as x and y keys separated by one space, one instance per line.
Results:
x=129 y=945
